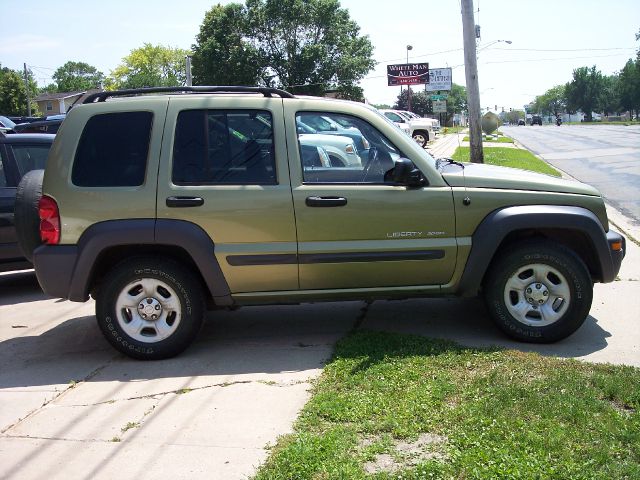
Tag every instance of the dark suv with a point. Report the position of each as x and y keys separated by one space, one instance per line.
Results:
x=19 y=154
x=537 y=119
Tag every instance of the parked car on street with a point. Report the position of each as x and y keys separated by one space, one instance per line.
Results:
x=6 y=124
x=48 y=125
x=19 y=154
x=420 y=129
x=153 y=206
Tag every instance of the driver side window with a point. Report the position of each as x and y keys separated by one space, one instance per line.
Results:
x=352 y=151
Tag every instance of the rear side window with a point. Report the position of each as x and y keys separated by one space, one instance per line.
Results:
x=229 y=147
x=30 y=157
x=113 y=150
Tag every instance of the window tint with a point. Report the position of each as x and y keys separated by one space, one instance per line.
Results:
x=113 y=150
x=224 y=147
x=30 y=157
x=354 y=152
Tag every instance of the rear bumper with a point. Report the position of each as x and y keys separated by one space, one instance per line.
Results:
x=615 y=256
x=54 y=268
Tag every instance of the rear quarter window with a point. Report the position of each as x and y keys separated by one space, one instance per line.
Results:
x=113 y=150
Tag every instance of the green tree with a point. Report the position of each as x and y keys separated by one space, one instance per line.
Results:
x=552 y=102
x=611 y=95
x=422 y=105
x=150 y=66
x=513 y=116
x=629 y=86
x=304 y=46
x=13 y=93
x=456 y=103
x=224 y=54
x=77 y=77
x=420 y=102
x=585 y=91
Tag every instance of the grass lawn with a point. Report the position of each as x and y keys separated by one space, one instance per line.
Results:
x=392 y=406
x=509 y=157
x=500 y=139
x=453 y=129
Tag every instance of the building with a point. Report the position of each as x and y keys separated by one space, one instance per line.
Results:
x=57 y=103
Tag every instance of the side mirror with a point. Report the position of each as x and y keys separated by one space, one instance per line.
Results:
x=406 y=173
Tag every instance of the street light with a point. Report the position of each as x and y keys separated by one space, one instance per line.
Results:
x=409 y=47
x=509 y=42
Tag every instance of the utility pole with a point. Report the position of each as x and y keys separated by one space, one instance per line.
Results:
x=471 y=74
x=26 y=84
x=189 y=79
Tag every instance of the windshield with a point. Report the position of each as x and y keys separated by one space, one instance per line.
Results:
x=6 y=122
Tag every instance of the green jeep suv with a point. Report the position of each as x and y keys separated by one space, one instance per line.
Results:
x=162 y=203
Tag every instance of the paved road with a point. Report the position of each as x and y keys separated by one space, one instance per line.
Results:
x=605 y=156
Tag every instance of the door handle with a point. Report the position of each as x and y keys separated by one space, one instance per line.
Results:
x=181 y=202
x=325 y=201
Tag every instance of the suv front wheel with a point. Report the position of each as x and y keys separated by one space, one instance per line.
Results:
x=150 y=308
x=540 y=292
x=421 y=137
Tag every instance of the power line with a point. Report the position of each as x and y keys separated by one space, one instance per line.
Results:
x=562 y=50
x=550 y=59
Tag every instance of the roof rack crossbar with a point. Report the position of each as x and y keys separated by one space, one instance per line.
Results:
x=267 y=92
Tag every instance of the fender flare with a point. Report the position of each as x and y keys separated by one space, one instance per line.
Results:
x=174 y=233
x=498 y=224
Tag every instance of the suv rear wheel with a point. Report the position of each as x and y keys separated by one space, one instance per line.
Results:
x=540 y=292
x=150 y=309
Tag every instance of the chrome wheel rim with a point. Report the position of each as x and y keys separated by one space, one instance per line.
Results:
x=148 y=310
x=537 y=295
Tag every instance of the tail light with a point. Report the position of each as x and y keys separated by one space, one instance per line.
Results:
x=49 y=220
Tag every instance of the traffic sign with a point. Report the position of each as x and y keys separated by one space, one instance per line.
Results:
x=440 y=106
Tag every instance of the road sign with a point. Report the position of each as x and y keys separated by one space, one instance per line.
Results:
x=407 y=74
x=439 y=79
x=440 y=106
x=442 y=96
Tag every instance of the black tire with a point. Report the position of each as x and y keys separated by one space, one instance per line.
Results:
x=566 y=303
x=27 y=219
x=421 y=137
x=171 y=284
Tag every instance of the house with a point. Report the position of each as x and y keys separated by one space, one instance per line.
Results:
x=57 y=103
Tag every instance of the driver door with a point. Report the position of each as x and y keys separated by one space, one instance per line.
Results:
x=357 y=231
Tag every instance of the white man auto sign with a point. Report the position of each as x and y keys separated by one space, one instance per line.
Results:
x=439 y=79
x=407 y=74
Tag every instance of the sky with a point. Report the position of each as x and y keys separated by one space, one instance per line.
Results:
x=549 y=38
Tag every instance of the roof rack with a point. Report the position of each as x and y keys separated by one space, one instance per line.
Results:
x=267 y=92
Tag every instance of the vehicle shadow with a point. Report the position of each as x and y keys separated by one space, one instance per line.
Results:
x=252 y=340
x=20 y=287
x=466 y=321
x=263 y=340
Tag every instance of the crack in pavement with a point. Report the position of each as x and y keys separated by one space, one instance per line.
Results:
x=361 y=316
x=71 y=386
x=184 y=391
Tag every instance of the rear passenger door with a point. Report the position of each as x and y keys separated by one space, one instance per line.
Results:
x=224 y=167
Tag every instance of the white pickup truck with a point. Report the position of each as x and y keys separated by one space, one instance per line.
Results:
x=421 y=129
